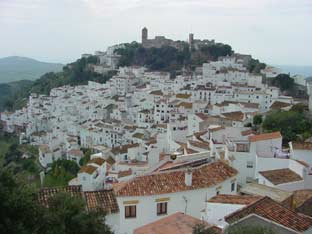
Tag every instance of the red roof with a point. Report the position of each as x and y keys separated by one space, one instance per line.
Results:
x=173 y=181
x=272 y=210
x=281 y=176
x=265 y=136
x=234 y=199
x=177 y=223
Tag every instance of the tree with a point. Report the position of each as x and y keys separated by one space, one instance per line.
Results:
x=255 y=66
x=291 y=124
x=284 y=82
x=257 y=120
x=67 y=215
x=20 y=212
x=12 y=155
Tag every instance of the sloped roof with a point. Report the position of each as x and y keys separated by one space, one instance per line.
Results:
x=173 y=181
x=234 y=199
x=123 y=148
x=302 y=145
x=272 y=210
x=199 y=144
x=236 y=115
x=98 y=161
x=87 y=169
x=278 y=105
x=177 y=223
x=102 y=201
x=265 y=136
x=300 y=196
x=281 y=176
x=46 y=193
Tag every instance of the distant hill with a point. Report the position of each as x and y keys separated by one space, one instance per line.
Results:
x=305 y=71
x=16 y=68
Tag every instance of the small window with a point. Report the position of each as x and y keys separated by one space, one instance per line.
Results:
x=249 y=164
x=130 y=212
x=162 y=208
x=218 y=192
x=233 y=187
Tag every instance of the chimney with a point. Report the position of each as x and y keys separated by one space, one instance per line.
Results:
x=188 y=177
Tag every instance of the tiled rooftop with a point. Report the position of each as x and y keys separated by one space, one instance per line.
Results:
x=265 y=136
x=281 y=176
x=87 y=169
x=46 y=193
x=234 y=199
x=177 y=223
x=269 y=209
x=173 y=181
x=102 y=201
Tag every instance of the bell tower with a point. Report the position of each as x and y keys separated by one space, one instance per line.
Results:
x=310 y=95
x=144 y=35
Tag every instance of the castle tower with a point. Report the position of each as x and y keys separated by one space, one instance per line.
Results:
x=310 y=95
x=144 y=35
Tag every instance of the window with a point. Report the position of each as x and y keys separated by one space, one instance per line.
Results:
x=130 y=211
x=218 y=192
x=233 y=186
x=249 y=164
x=162 y=208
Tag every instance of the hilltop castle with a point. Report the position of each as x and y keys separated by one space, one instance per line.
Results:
x=160 y=41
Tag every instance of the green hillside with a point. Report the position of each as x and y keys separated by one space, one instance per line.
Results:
x=21 y=68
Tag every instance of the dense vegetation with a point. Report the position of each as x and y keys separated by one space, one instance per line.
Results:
x=288 y=86
x=20 y=212
x=255 y=66
x=14 y=95
x=27 y=168
x=293 y=124
x=169 y=58
x=284 y=82
x=62 y=171
x=21 y=160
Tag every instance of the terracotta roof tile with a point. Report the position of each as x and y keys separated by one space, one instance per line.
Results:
x=269 y=209
x=183 y=95
x=87 y=169
x=281 y=176
x=186 y=105
x=202 y=116
x=278 y=105
x=123 y=148
x=300 y=196
x=236 y=115
x=302 y=145
x=75 y=152
x=98 y=161
x=46 y=193
x=198 y=144
x=102 y=201
x=173 y=181
x=265 y=136
x=177 y=223
x=234 y=199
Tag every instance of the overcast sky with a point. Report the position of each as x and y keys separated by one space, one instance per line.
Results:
x=275 y=31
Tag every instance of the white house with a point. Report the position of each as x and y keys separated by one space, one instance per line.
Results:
x=150 y=197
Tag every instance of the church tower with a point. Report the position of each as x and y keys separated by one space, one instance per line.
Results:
x=144 y=35
x=310 y=95
x=191 y=41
